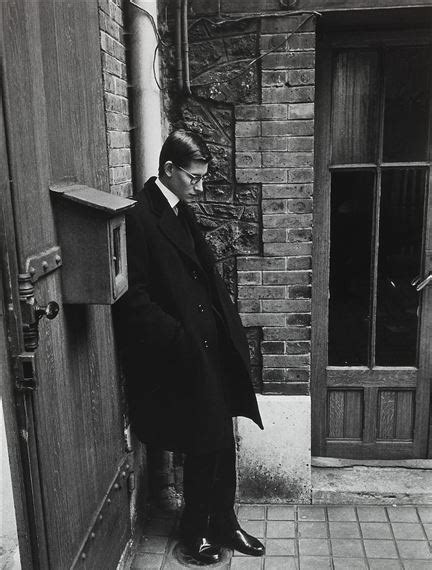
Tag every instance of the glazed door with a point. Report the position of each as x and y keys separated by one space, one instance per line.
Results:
x=372 y=317
x=73 y=454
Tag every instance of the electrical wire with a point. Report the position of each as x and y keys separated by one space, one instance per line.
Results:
x=152 y=21
x=227 y=19
x=160 y=42
x=256 y=59
x=270 y=15
x=154 y=67
x=221 y=22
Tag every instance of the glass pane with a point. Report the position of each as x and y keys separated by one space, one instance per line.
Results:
x=407 y=103
x=350 y=259
x=116 y=256
x=355 y=107
x=399 y=261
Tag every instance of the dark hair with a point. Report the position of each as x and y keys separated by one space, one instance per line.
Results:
x=181 y=147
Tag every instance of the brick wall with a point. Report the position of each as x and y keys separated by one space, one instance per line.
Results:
x=257 y=209
x=274 y=144
x=112 y=25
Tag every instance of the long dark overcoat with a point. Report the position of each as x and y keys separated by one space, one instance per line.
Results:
x=185 y=352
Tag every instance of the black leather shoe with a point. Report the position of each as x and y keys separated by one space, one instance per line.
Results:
x=244 y=543
x=202 y=550
x=226 y=531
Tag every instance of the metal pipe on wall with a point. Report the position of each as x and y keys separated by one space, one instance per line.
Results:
x=179 y=46
x=185 y=47
x=145 y=94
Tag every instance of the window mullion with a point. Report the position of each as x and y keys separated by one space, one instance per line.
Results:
x=376 y=218
x=374 y=268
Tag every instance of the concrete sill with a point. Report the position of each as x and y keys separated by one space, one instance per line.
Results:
x=337 y=463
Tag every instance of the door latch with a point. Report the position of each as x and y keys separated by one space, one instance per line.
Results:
x=32 y=313
x=420 y=284
x=26 y=372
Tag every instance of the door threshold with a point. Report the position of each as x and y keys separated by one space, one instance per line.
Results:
x=338 y=463
x=371 y=481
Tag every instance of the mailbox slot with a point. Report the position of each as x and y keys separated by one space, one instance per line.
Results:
x=118 y=255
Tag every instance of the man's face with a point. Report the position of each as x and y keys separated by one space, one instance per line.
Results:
x=185 y=182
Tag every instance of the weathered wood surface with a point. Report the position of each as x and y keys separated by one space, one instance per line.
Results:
x=345 y=414
x=371 y=377
x=11 y=344
x=56 y=129
x=364 y=450
x=320 y=250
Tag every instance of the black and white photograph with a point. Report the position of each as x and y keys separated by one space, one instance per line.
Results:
x=216 y=284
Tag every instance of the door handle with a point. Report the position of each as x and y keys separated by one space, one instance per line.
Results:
x=420 y=284
x=32 y=312
x=50 y=311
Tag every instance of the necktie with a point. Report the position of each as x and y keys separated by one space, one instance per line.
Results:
x=182 y=217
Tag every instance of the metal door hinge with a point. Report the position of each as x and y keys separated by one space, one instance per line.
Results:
x=421 y=284
x=43 y=263
x=26 y=372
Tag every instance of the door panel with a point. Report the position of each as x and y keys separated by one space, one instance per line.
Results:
x=52 y=82
x=371 y=370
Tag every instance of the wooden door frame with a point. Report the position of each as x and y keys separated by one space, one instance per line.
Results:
x=17 y=406
x=320 y=247
x=321 y=252
x=427 y=298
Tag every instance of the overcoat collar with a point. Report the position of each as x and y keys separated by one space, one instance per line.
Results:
x=170 y=226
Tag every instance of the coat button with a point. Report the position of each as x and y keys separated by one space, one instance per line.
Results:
x=205 y=343
x=201 y=308
x=195 y=274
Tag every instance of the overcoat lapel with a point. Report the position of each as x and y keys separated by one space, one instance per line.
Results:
x=169 y=224
x=172 y=229
x=203 y=251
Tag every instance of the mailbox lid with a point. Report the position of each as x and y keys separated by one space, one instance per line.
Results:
x=111 y=204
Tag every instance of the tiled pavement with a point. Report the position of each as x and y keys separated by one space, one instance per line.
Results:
x=310 y=537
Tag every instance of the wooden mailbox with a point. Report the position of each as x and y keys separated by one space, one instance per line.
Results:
x=92 y=233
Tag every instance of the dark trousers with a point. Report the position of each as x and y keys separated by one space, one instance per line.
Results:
x=209 y=486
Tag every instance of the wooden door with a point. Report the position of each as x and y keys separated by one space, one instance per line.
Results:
x=74 y=460
x=372 y=330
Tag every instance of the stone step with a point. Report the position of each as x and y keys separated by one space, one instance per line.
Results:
x=346 y=481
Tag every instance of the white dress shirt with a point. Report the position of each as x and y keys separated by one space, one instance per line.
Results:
x=170 y=196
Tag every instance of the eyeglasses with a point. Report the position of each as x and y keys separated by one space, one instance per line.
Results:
x=194 y=178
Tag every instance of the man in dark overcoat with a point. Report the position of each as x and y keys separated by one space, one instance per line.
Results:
x=186 y=356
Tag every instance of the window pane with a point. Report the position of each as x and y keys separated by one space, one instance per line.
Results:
x=399 y=261
x=355 y=107
x=350 y=259
x=407 y=103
